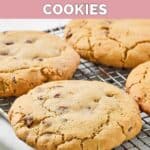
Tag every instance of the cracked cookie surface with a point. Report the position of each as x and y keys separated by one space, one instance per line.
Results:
x=75 y=115
x=118 y=43
x=29 y=58
x=138 y=85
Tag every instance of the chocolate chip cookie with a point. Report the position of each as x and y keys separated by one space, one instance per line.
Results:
x=118 y=43
x=138 y=86
x=75 y=115
x=29 y=58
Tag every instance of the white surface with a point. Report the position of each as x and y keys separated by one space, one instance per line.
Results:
x=30 y=24
x=8 y=140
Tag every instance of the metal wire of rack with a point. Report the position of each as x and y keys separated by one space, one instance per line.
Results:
x=90 y=71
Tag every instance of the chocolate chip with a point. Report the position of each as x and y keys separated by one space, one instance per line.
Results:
x=4 y=53
x=57 y=95
x=5 y=32
x=89 y=107
x=109 y=94
x=62 y=109
x=104 y=28
x=14 y=80
x=28 y=120
x=9 y=43
x=69 y=34
x=137 y=98
x=40 y=59
x=29 y=41
x=47 y=31
x=96 y=100
x=37 y=58
x=130 y=129
x=40 y=98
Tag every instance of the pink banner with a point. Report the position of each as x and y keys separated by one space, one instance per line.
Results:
x=88 y=8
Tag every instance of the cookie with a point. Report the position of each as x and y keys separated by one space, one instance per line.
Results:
x=138 y=85
x=118 y=43
x=75 y=115
x=29 y=58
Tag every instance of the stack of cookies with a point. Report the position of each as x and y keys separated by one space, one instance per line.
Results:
x=76 y=115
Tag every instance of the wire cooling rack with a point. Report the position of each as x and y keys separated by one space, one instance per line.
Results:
x=90 y=71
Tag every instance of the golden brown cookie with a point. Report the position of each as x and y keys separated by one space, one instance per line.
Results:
x=138 y=86
x=75 y=115
x=118 y=43
x=29 y=58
